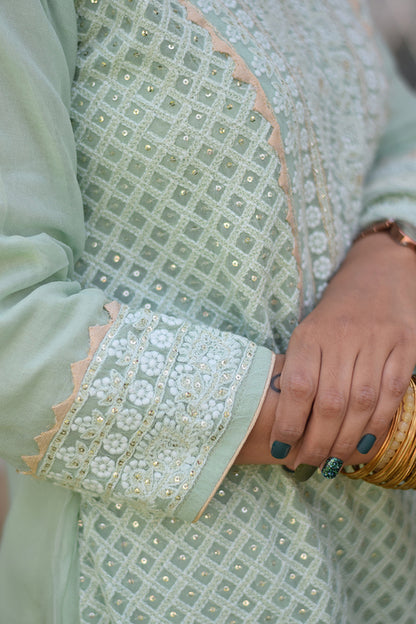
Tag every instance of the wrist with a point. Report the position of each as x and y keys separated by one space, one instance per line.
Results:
x=256 y=448
x=401 y=232
x=381 y=247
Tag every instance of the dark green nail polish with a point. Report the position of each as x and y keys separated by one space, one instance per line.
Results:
x=304 y=472
x=286 y=469
x=366 y=443
x=280 y=449
x=332 y=467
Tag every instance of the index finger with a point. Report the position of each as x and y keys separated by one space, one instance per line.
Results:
x=298 y=384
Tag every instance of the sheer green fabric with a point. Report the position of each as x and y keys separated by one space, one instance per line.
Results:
x=360 y=123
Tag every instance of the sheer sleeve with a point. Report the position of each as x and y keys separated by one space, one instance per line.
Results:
x=390 y=189
x=102 y=399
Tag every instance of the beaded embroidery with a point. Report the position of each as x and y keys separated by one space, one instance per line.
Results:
x=153 y=403
x=183 y=204
x=185 y=214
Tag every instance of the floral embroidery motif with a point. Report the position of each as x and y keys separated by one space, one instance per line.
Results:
x=196 y=199
x=147 y=438
x=180 y=182
x=324 y=162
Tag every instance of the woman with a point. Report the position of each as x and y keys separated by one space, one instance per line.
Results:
x=222 y=152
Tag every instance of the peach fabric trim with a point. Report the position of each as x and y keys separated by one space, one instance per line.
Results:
x=78 y=370
x=243 y=73
x=262 y=106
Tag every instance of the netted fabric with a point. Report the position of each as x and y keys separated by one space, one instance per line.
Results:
x=185 y=215
x=184 y=208
x=153 y=404
x=321 y=71
x=276 y=553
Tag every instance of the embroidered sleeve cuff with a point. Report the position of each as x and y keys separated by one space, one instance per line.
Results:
x=160 y=400
x=247 y=405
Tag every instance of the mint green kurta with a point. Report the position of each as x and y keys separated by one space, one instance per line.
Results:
x=221 y=150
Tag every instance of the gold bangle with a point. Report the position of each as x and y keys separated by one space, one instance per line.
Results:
x=401 y=466
x=363 y=470
x=396 y=471
x=394 y=466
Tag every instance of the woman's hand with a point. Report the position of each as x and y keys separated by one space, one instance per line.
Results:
x=256 y=449
x=349 y=362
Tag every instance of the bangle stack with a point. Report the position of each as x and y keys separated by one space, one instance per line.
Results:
x=394 y=466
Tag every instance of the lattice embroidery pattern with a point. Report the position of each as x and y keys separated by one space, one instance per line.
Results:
x=223 y=580
x=251 y=558
x=153 y=403
x=330 y=108
x=184 y=209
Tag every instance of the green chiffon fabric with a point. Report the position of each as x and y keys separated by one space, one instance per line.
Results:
x=54 y=284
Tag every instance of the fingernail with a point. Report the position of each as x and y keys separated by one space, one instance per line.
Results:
x=331 y=467
x=280 y=449
x=304 y=472
x=366 y=443
x=286 y=469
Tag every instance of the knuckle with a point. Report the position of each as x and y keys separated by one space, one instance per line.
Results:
x=299 y=387
x=331 y=403
x=380 y=422
x=315 y=456
x=397 y=386
x=364 y=398
x=407 y=335
x=343 y=448
x=290 y=432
